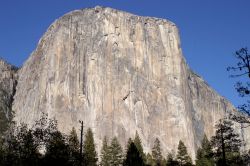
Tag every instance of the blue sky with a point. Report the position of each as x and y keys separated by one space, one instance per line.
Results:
x=210 y=30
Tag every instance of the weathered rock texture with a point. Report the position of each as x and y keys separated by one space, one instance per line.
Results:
x=8 y=81
x=118 y=73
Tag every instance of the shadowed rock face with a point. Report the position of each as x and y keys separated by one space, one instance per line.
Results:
x=118 y=73
x=8 y=81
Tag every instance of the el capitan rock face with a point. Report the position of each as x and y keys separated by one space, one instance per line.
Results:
x=118 y=73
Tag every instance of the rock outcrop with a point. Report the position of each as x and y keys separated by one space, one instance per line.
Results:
x=119 y=73
x=8 y=81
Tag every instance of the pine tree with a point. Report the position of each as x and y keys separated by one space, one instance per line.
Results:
x=10 y=147
x=204 y=156
x=105 y=156
x=90 y=155
x=43 y=129
x=28 y=149
x=226 y=144
x=138 y=144
x=149 y=159
x=246 y=157
x=182 y=156
x=171 y=161
x=2 y=151
x=156 y=152
x=57 y=151
x=133 y=157
x=128 y=144
x=74 y=147
x=115 y=151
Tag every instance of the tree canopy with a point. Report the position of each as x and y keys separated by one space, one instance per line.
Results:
x=226 y=143
x=182 y=155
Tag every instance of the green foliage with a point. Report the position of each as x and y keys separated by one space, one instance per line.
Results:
x=182 y=155
x=246 y=157
x=90 y=155
x=149 y=159
x=128 y=144
x=2 y=152
x=11 y=147
x=138 y=144
x=226 y=144
x=57 y=151
x=28 y=149
x=133 y=157
x=156 y=152
x=19 y=147
x=43 y=129
x=74 y=147
x=204 y=156
x=105 y=156
x=115 y=151
x=171 y=160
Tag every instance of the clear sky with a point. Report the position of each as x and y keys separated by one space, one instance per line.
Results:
x=210 y=30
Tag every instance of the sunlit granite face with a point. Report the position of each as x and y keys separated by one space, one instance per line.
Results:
x=119 y=73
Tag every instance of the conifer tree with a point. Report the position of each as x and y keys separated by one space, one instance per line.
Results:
x=57 y=151
x=138 y=144
x=171 y=160
x=105 y=156
x=226 y=144
x=74 y=147
x=115 y=151
x=133 y=157
x=43 y=129
x=128 y=144
x=2 y=151
x=156 y=152
x=90 y=155
x=28 y=149
x=182 y=156
x=204 y=156
x=11 y=147
x=149 y=159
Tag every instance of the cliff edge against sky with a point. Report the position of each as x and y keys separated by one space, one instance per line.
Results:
x=119 y=73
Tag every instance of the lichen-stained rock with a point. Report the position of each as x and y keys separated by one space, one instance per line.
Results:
x=118 y=73
x=8 y=81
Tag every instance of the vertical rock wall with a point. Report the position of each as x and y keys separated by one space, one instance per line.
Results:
x=118 y=73
x=8 y=81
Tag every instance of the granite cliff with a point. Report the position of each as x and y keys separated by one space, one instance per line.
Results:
x=119 y=73
x=8 y=82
